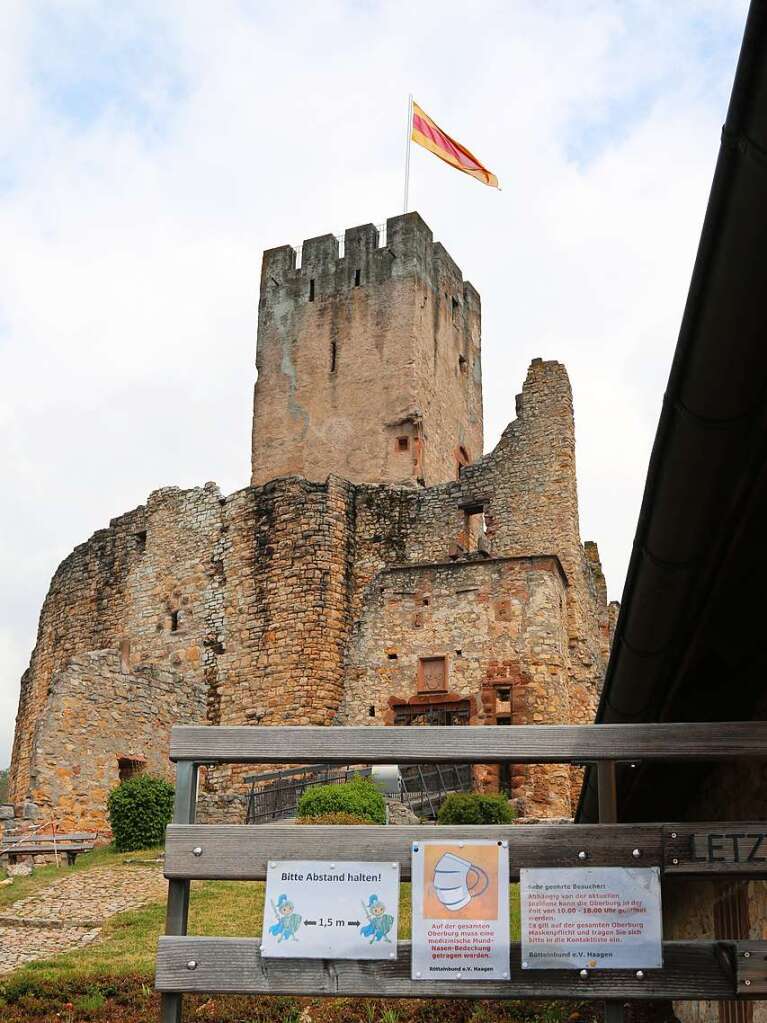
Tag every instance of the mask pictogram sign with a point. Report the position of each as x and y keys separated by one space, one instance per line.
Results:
x=460 y=911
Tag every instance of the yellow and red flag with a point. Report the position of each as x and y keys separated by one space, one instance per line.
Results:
x=429 y=135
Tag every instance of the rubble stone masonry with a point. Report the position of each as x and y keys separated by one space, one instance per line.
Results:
x=347 y=585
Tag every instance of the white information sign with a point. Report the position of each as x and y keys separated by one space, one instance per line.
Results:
x=460 y=910
x=591 y=917
x=320 y=910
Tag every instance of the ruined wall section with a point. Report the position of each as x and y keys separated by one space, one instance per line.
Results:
x=526 y=491
x=286 y=563
x=535 y=506
x=147 y=586
x=519 y=501
x=98 y=713
x=83 y=610
x=499 y=626
x=368 y=365
x=244 y=600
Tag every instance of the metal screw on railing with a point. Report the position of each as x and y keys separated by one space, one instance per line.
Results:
x=747 y=983
x=673 y=834
x=636 y=853
x=640 y=974
x=675 y=861
x=582 y=855
x=192 y=964
x=583 y=974
x=746 y=955
x=197 y=851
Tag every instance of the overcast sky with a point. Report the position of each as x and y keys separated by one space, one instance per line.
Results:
x=149 y=152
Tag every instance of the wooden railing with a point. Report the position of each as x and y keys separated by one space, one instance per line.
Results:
x=692 y=969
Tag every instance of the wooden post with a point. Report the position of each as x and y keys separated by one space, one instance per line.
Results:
x=608 y=814
x=608 y=798
x=177 y=914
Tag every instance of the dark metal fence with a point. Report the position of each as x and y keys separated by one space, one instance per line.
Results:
x=274 y=795
x=426 y=786
x=423 y=787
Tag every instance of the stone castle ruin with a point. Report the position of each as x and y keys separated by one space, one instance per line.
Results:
x=378 y=570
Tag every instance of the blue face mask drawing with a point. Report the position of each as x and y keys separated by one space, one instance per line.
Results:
x=379 y=921
x=288 y=922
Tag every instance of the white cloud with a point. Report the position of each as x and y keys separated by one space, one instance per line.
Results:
x=148 y=157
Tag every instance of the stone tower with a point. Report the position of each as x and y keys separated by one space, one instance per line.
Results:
x=368 y=364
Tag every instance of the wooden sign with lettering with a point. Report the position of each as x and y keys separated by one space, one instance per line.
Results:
x=723 y=849
x=730 y=847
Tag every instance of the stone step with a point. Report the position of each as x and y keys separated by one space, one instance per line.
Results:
x=48 y=924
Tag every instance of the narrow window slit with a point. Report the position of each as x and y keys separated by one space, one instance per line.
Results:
x=333 y=353
x=357 y=276
x=311 y=289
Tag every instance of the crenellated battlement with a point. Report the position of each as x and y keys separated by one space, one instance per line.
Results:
x=367 y=255
x=368 y=359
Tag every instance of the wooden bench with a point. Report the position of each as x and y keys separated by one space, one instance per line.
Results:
x=691 y=969
x=70 y=845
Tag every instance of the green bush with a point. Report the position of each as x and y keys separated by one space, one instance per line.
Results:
x=472 y=808
x=358 y=797
x=139 y=811
x=334 y=818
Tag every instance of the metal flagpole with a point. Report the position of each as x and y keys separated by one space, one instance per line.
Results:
x=407 y=149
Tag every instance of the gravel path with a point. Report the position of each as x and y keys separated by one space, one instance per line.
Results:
x=69 y=912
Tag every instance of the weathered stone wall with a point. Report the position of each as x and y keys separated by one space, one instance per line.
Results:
x=286 y=565
x=98 y=713
x=149 y=579
x=526 y=491
x=500 y=627
x=368 y=365
x=245 y=599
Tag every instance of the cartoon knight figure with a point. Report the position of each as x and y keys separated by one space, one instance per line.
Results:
x=288 y=922
x=379 y=921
